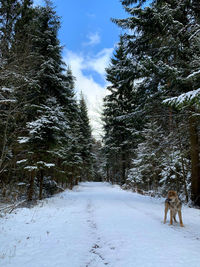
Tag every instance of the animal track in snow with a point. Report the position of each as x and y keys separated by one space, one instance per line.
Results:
x=95 y=252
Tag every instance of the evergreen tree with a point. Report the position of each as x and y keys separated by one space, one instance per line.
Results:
x=99 y=161
x=161 y=162
x=53 y=98
x=148 y=164
x=44 y=129
x=120 y=130
x=39 y=110
x=130 y=2
x=85 y=141
x=163 y=42
x=9 y=12
x=11 y=79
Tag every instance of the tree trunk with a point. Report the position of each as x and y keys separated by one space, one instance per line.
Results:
x=41 y=183
x=123 y=179
x=184 y=179
x=71 y=179
x=71 y=182
x=195 y=168
x=31 y=186
x=76 y=181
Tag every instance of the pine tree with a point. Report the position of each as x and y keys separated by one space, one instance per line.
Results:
x=40 y=116
x=52 y=82
x=11 y=78
x=9 y=12
x=145 y=173
x=99 y=161
x=85 y=141
x=160 y=162
x=120 y=129
x=164 y=44
x=51 y=105
x=130 y=2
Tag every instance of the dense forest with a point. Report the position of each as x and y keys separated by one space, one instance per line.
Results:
x=45 y=136
x=150 y=114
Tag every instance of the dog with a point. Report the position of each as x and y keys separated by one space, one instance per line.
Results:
x=173 y=204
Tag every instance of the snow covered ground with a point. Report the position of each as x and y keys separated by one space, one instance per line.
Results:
x=97 y=224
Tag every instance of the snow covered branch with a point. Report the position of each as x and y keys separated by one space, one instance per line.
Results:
x=186 y=98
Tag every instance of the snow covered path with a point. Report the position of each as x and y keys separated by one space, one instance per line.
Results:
x=98 y=225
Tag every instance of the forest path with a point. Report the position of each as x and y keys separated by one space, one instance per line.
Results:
x=96 y=225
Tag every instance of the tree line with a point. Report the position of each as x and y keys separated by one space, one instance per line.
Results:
x=151 y=111
x=45 y=135
x=150 y=114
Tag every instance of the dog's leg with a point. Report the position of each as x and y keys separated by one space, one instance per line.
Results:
x=180 y=218
x=171 y=216
x=175 y=218
x=166 y=210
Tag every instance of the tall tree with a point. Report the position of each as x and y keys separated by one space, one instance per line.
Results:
x=120 y=130
x=163 y=42
x=51 y=109
x=11 y=79
x=9 y=12
x=40 y=116
x=85 y=141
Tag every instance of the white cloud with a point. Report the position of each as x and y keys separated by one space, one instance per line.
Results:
x=100 y=61
x=93 y=91
x=93 y=39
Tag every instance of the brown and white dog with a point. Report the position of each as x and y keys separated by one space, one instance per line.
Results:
x=173 y=204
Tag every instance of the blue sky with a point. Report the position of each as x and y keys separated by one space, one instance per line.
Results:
x=84 y=19
x=89 y=38
x=87 y=30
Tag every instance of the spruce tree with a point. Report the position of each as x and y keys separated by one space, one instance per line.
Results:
x=40 y=116
x=11 y=79
x=120 y=129
x=145 y=173
x=85 y=141
x=163 y=42
x=51 y=101
x=9 y=12
x=71 y=155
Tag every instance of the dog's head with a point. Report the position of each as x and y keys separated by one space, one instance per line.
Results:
x=172 y=194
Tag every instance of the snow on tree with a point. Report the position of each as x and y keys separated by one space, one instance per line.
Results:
x=120 y=128
x=40 y=118
x=162 y=43
x=85 y=141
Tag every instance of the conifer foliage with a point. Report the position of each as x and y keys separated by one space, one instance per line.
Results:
x=85 y=142
x=45 y=137
x=161 y=44
x=120 y=137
